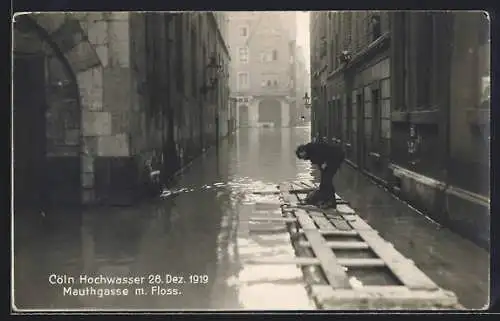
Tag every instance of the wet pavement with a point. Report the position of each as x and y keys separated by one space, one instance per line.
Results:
x=193 y=232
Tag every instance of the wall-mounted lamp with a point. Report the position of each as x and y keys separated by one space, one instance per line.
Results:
x=345 y=56
x=215 y=71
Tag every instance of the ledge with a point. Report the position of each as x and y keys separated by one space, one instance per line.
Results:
x=399 y=172
x=379 y=43
x=400 y=116
x=416 y=117
x=448 y=189
x=424 y=116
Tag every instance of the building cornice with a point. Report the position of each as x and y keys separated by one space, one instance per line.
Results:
x=379 y=43
x=219 y=34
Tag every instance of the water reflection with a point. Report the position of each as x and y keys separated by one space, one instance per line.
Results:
x=194 y=230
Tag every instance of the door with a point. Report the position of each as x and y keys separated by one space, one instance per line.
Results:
x=360 y=140
x=243 y=116
x=29 y=129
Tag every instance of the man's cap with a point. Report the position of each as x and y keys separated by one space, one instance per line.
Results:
x=300 y=149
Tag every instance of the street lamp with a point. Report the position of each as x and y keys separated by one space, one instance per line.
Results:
x=307 y=101
x=215 y=71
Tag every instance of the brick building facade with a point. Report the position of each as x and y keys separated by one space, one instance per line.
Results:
x=263 y=77
x=116 y=97
x=407 y=93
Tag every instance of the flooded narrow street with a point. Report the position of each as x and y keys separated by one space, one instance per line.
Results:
x=192 y=232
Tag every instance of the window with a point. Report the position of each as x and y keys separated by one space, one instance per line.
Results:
x=484 y=67
x=244 y=56
x=425 y=61
x=275 y=55
x=179 y=54
x=269 y=81
x=243 y=81
x=348 y=119
x=376 y=28
x=266 y=56
x=194 y=61
x=243 y=31
x=375 y=119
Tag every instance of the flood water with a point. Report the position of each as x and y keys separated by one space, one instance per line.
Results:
x=192 y=232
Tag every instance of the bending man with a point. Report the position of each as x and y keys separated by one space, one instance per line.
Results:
x=328 y=158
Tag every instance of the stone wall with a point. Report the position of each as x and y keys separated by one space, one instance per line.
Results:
x=121 y=109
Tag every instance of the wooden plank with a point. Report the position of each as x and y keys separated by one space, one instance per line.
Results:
x=309 y=208
x=296 y=190
x=261 y=206
x=334 y=232
x=334 y=272
x=297 y=186
x=266 y=192
x=268 y=230
x=273 y=219
x=340 y=223
x=340 y=245
x=365 y=263
x=408 y=273
x=322 y=222
x=386 y=297
x=284 y=261
x=357 y=223
x=308 y=184
x=289 y=199
x=344 y=209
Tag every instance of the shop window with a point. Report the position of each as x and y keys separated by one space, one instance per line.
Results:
x=376 y=115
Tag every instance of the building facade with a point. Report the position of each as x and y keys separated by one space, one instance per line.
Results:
x=118 y=98
x=302 y=86
x=407 y=94
x=263 y=69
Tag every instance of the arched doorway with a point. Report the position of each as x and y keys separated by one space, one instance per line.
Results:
x=46 y=124
x=243 y=116
x=270 y=112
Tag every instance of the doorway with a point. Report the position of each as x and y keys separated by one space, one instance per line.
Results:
x=29 y=130
x=360 y=146
x=270 y=112
x=243 y=116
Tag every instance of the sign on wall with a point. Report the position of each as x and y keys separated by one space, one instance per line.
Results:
x=244 y=99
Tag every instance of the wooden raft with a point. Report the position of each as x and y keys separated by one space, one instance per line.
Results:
x=416 y=290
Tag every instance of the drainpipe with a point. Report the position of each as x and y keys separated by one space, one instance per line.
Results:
x=449 y=32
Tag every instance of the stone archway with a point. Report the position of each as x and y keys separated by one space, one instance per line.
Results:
x=243 y=118
x=270 y=112
x=49 y=117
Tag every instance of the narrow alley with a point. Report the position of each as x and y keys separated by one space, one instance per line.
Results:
x=194 y=231
x=155 y=160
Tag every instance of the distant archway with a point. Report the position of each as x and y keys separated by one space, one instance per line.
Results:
x=270 y=112
x=243 y=116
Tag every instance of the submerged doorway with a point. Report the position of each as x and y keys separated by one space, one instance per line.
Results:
x=270 y=112
x=243 y=116
x=46 y=119
x=29 y=142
